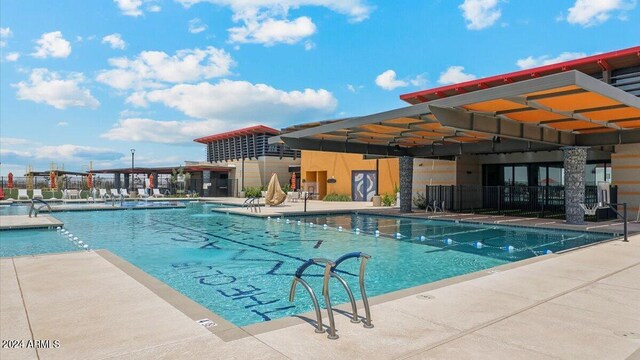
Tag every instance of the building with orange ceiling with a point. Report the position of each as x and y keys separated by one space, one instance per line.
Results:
x=536 y=142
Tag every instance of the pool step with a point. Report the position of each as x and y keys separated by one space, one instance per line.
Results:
x=15 y=222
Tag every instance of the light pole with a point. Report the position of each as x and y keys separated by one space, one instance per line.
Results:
x=133 y=154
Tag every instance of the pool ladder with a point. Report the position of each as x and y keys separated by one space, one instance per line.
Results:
x=330 y=268
x=35 y=210
x=253 y=204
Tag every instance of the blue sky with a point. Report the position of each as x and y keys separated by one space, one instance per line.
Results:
x=85 y=81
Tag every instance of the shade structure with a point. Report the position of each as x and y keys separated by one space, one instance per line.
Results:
x=565 y=109
x=275 y=195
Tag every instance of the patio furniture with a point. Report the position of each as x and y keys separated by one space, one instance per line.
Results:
x=156 y=193
x=142 y=193
x=22 y=193
x=124 y=193
x=37 y=194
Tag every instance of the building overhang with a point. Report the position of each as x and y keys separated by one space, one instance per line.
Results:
x=546 y=113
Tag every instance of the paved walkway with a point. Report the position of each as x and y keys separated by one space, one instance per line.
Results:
x=25 y=222
x=584 y=304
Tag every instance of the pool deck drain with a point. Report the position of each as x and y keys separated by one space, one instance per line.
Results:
x=15 y=222
x=581 y=304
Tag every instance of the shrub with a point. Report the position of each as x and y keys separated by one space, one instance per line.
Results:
x=337 y=197
x=286 y=188
x=388 y=199
x=420 y=201
x=253 y=191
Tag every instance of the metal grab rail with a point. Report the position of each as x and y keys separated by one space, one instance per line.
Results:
x=328 y=264
x=251 y=204
x=365 y=300
x=37 y=210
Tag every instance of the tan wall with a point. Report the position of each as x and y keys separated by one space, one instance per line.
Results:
x=315 y=165
x=625 y=173
x=432 y=172
x=258 y=172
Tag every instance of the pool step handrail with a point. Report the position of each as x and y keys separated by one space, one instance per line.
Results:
x=363 y=264
x=37 y=210
x=328 y=264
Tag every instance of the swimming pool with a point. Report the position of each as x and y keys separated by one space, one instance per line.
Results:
x=242 y=267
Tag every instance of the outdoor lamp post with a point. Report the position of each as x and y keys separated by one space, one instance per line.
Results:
x=133 y=154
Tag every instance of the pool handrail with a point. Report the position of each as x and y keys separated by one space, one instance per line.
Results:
x=297 y=278
x=365 y=300
x=37 y=210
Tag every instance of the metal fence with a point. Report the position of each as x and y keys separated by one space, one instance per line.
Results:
x=528 y=201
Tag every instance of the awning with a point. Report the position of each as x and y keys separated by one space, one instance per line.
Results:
x=565 y=109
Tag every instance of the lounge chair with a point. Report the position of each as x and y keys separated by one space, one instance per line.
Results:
x=293 y=196
x=103 y=193
x=37 y=194
x=22 y=193
x=157 y=193
x=124 y=193
x=71 y=194
x=114 y=193
x=142 y=193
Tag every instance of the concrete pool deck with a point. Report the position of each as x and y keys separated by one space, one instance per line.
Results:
x=10 y=222
x=580 y=304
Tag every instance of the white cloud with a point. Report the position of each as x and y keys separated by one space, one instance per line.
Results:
x=454 y=75
x=196 y=26
x=154 y=8
x=480 y=14
x=530 y=62
x=25 y=151
x=49 y=87
x=115 y=41
x=356 y=10
x=387 y=80
x=62 y=123
x=5 y=33
x=130 y=7
x=152 y=68
x=271 y=31
x=419 y=81
x=266 y=21
x=52 y=45
x=593 y=12
x=309 y=45
x=165 y=132
x=243 y=101
x=12 y=56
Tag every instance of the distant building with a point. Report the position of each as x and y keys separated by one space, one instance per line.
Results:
x=250 y=157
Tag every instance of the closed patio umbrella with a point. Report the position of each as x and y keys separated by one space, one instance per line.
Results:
x=10 y=181
x=52 y=179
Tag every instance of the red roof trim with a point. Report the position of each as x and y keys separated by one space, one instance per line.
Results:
x=600 y=60
x=258 y=129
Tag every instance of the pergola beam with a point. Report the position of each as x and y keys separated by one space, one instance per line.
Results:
x=497 y=126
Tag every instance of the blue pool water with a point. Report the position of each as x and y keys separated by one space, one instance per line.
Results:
x=242 y=267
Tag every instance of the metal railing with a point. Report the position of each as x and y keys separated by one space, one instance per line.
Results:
x=35 y=210
x=252 y=204
x=330 y=271
x=520 y=200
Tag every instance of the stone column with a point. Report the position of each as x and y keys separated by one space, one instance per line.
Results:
x=126 y=181
x=575 y=161
x=116 y=180
x=406 y=183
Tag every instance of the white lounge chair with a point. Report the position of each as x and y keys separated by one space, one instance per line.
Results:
x=37 y=194
x=22 y=193
x=114 y=193
x=293 y=196
x=125 y=193
x=142 y=193
x=156 y=193
x=103 y=193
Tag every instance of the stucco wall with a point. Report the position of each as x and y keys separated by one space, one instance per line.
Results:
x=625 y=173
